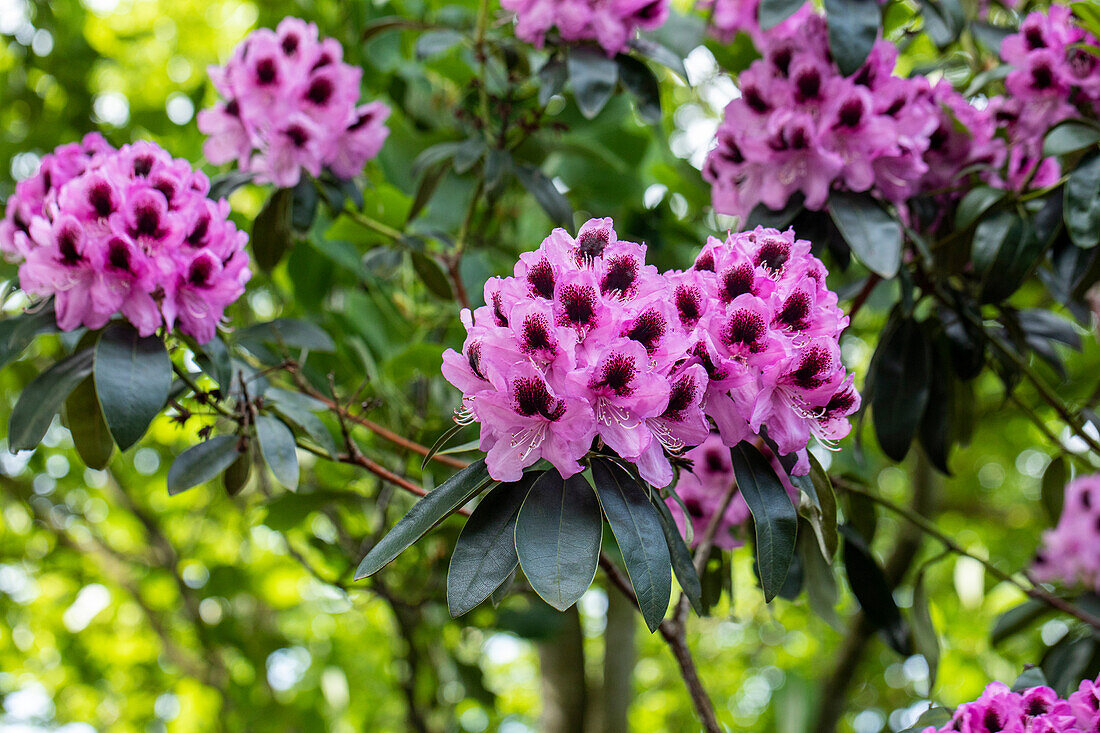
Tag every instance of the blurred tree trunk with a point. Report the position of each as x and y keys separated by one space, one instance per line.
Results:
x=564 y=688
x=608 y=711
x=834 y=690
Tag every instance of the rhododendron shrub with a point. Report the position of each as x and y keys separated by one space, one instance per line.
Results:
x=290 y=104
x=130 y=232
x=587 y=357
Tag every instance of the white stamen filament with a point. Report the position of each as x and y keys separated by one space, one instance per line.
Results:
x=609 y=414
x=531 y=438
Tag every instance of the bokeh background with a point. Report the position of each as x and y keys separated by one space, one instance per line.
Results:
x=124 y=610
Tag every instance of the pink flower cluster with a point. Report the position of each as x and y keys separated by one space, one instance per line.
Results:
x=582 y=341
x=611 y=23
x=291 y=104
x=703 y=490
x=1071 y=551
x=1053 y=79
x=1038 y=710
x=127 y=231
x=586 y=340
x=765 y=326
x=799 y=126
x=727 y=18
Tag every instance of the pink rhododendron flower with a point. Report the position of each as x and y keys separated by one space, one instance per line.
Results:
x=610 y=23
x=291 y=104
x=580 y=342
x=764 y=325
x=1070 y=553
x=727 y=18
x=1034 y=710
x=128 y=232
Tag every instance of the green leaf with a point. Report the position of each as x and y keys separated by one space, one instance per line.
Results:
x=303 y=205
x=278 y=449
x=902 y=384
x=872 y=590
x=1065 y=663
x=774 y=12
x=925 y=640
x=227 y=183
x=641 y=82
x=290 y=332
x=552 y=201
x=485 y=553
x=302 y=418
x=201 y=463
x=432 y=275
x=819 y=580
x=1069 y=137
x=663 y=55
x=236 y=476
x=682 y=564
x=853 y=29
x=441 y=441
x=1054 y=487
x=132 y=377
x=17 y=332
x=873 y=235
x=1018 y=618
x=43 y=398
x=934 y=717
x=271 y=231
x=976 y=202
x=773 y=514
x=434 y=43
x=214 y=359
x=558 y=535
x=990 y=236
x=84 y=418
x=636 y=525
x=1082 y=203
x=425 y=514
x=552 y=78
x=593 y=77
x=819 y=509
x=1031 y=677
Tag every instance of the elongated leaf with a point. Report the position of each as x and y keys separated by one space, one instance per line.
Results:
x=236 y=476
x=132 y=378
x=902 y=375
x=425 y=514
x=17 y=332
x=873 y=235
x=441 y=441
x=502 y=590
x=682 y=564
x=663 y=55
x=773 y=514
x=934 y=717
x=925 y=638
x=872 y=590
x=278 y=450
x=552 y=201
x=593 y=77
x=91 y=437
x=304 y=419
x=43 y=398
x=1082 y=203
x=1069 y=137
x=201 y=463
x=853 y=28
x=637 y=528
x=552 y=78
x=558 y=535
x=432 y=275
x=820 y=581
x=1018 y=618
x=819 y=508
x=774 y=12
x=1054 y=487
x=976 y=202
x=291 y=332
x=485 y=553
x=1031 y=677
x=640 y=80
x=271 y=232
x=434 y=43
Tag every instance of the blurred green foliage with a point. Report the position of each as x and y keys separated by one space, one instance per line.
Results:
x=128 y=611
